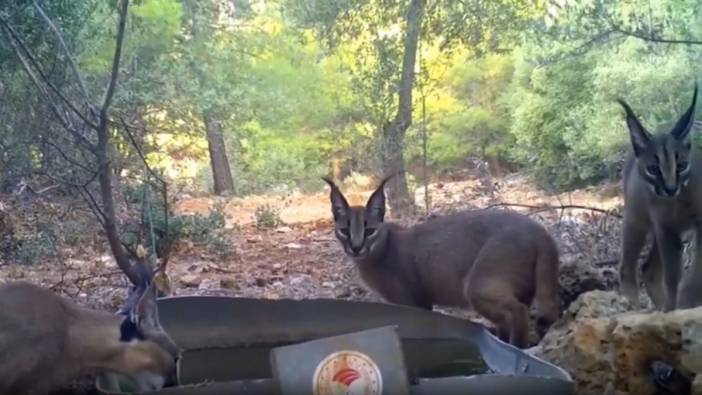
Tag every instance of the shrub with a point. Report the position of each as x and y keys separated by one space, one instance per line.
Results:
x=267 y=217
x=208 y=230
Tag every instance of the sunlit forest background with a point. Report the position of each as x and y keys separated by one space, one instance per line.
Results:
x=286 y=89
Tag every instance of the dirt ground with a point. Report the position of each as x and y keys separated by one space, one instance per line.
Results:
x=302 y=259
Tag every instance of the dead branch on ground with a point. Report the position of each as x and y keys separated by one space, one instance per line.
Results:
x=562 y=207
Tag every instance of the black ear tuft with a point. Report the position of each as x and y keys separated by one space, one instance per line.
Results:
x=682 y=128
x=339 y=204
x=145 y=311
x=140 y=307
x=129 y=331
x=375 y=207
x=640 y=138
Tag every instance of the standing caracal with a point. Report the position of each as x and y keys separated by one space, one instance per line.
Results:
x=496 y=262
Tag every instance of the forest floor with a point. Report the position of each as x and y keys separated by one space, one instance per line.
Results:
x=300 y=258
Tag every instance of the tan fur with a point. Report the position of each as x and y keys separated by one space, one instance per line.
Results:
x=46 y=341
x=496 y=262
x=662 y=180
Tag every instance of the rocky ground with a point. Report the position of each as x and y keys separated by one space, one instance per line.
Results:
x=300 y=258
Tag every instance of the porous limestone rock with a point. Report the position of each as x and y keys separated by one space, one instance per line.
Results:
x=609 y=349
x=579 y=341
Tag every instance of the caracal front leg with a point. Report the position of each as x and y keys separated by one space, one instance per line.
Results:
x=691 y=286
x=633 y=240
x=670 y=248
x=653 y=274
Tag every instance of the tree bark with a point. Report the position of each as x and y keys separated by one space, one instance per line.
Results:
x=102 y=153
x=108 y=202
x=221 y=171
x=219 y=162
x=393 y=136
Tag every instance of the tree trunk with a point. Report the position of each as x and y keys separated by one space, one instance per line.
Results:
x=393 y=136
x=219 y=162
x=108 y=202
x=494 y=166
x=399 y=199
x=102 y=153
x=221 y=172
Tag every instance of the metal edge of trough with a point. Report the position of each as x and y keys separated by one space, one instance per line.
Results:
x=201 y=322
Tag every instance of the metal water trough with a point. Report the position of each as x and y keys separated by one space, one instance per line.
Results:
x=228 y=343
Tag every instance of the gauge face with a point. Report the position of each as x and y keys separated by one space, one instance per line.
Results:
x=347 y=373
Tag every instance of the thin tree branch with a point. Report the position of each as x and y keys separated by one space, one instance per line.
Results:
x=80 y=187
x=93 y=204
x=122 y=258
x=115 y=59
x=69 y=55
x=43 y=75
x=164 y=192
x=15 y=40
x=139 y=151
x=18 y=11
x=32 y=76
x=90 y=180
x=652 y=38
x=68 y=159
x=58 y=180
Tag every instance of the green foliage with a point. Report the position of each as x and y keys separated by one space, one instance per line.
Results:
x=267 y=217
x=566 y=121
x=37 y=242
x=467 y=117
x=169 y=229
x=37 y=248
x=294 y=83
x=208 y=230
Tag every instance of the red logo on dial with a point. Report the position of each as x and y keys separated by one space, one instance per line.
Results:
x=347 y=373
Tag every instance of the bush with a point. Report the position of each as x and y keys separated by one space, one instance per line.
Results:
x=207 y=229
x=36 y=248
x=567 y=124
x=267 y=217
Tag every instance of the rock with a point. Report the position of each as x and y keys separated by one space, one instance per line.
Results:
x=596 y=304
x=301 y=279
x=640 y=339
x=579 y=341
x=609 y=349
x=209 y=284
x=190 y=280
x=577 y=278
x=229 y=283
x=343 y=293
